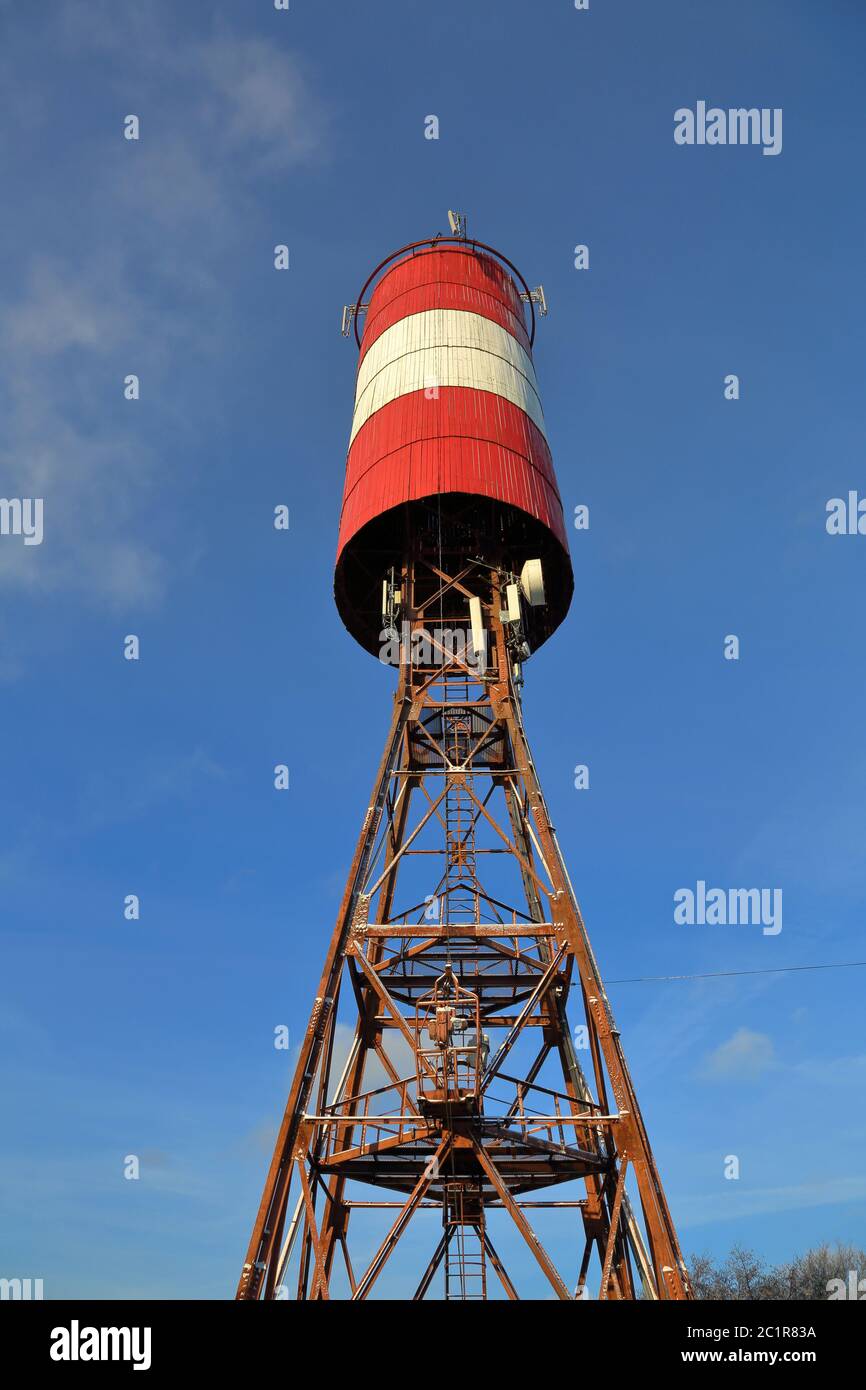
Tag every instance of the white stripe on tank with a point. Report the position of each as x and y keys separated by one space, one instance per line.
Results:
x=445 y=347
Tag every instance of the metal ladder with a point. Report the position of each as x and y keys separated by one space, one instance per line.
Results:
x=461 y=902
x=465 y=1258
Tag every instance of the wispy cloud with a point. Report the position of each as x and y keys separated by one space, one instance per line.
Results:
x=65 y=327
x=733 y=1203
x=848 y=1073
x=744 y=1057
x=129 y=287
x=130 y=792
x=259 y=102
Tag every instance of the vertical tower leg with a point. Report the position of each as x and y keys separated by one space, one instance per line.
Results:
x=457 y=948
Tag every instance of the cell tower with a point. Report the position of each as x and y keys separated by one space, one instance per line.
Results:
x=442 y=1086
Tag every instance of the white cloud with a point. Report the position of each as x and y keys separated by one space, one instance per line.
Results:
x=139 y=290
x=396 y=1049
x=848 y=1073
x=744 y=1057
x=232 y=94
x=138 y=789
x=259 y=102
x=732 y=1202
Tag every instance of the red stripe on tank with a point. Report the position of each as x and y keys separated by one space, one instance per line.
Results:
x=446 y=279
x=464 y=440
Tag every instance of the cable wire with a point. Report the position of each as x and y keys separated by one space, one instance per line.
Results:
x=720 y=974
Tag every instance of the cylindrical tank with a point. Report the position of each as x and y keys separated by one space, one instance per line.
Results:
x=447 y=411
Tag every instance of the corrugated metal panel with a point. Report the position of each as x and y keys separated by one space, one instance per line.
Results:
x=469 y=441
x=445 y=347
x=444 y=266
x=448 y=317
x=464 y=412
x=443 y=295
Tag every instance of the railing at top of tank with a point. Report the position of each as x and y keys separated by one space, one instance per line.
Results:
x=455 y=242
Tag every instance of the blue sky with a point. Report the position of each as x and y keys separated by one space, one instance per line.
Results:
x=707 y=518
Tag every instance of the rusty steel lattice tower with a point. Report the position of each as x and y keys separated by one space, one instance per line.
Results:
x=439 y=1082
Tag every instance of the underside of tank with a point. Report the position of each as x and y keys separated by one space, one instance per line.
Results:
x=445 y=526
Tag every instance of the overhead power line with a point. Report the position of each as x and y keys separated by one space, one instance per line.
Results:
x=720 y=974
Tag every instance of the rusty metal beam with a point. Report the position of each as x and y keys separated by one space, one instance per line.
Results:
x=459 y=740
x=523 y=1226
x=387 y=1247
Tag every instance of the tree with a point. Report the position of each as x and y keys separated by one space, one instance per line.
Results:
x=743 y=1275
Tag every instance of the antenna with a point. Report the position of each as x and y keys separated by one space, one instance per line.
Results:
x=350 y=312
x=457 y=223
x=538 y=297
